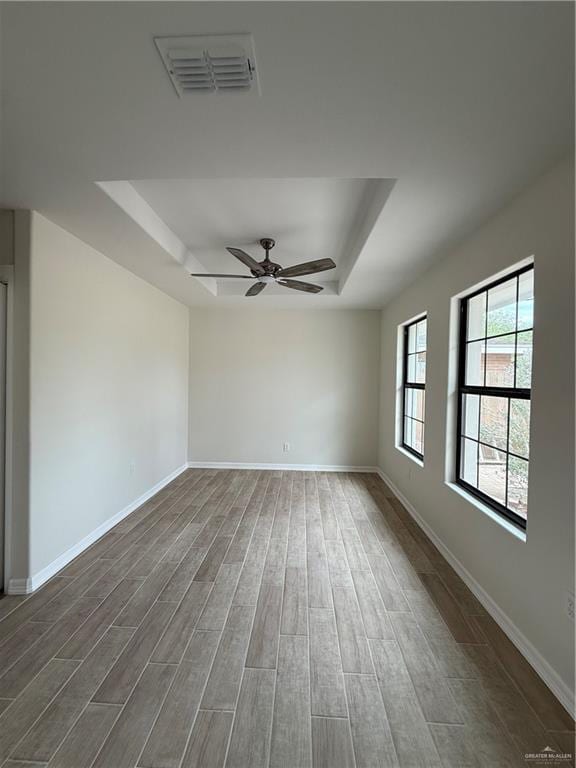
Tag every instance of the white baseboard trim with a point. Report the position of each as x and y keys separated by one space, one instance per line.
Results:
x=544 y=670
x=294 y=467
x=31 y=584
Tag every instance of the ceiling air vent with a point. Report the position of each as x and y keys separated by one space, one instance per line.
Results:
x=219 y=63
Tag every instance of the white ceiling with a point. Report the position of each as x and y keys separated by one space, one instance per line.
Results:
x=308 y=218
x=461 y=103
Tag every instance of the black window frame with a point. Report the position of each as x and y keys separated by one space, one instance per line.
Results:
x=412 y=385
x=511 y=393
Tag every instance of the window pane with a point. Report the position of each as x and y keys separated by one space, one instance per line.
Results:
x=524 y=360
x=420 y=367
x=518 y=485
x=421 y=336
x=414 y=403
x=475 y=363
x=502 y=308
x=408 y=399
x=469 y=461
x=495 y=429
x=477 y=317
x=520 y=427
x=411 y=338
x=411 y=373
x=471 y=415
x=408 y=439
x=500 y=361
x=494 y=421
x=418 y=404
x=418 y=432
x=526 y=300
x=492 y=473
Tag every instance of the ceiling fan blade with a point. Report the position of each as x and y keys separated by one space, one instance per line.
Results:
x=240 y=277
x=298 y=285
x=255 y=289
x=308 y=268
x=245 y=258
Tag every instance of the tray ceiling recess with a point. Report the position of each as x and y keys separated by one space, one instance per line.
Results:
x=214 y=64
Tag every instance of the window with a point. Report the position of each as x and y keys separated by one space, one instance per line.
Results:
x=413 y=387
x=494 y=376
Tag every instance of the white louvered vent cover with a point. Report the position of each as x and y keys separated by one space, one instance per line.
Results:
x=219 y=63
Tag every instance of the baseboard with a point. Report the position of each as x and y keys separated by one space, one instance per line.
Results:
x=542 y=668
x=32 y=583
x=289 y=467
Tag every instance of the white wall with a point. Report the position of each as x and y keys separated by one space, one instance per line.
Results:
x=109 y=386
x=528 y=580
x=260 y=378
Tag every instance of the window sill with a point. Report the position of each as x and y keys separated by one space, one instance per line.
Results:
x=411 y=456
x=506 y=524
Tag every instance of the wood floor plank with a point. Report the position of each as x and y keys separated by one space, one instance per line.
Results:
x=354 y=550
x=352 y=636
x=139 y=605
x=29 y=607
x=86 y=637
x=59 y=605
x=275 y=563
x=263 y=647
x=388 y=586
x=435 y=698
x=265 y=618
x=13 y=682
x=251 y=574
x=167 y=742
x=294 y=605
x=126 y=739
x=371 y=735
x=179 y=548
x=44 y=738
x=319 y=588
x=469 y=603
x=329 y=521
x=226 y=673
x=331 y=743
x=180 y=581
x=326 y=678
x=250 y=739
x=552 y=714
x=173 y=642
x=412 y=739
x=219 y=601
x=209 y=740
x=210 y=566
x=338 y=569
x=18 y=643
x=368 y=537
x=17 y=719
x=117 y=572
x=291 y=737
x=448 y=608
x=84 y=741
x=474 y=746
x=514 y=724
x=374 y=615
x=121 y=679
x=281 y=523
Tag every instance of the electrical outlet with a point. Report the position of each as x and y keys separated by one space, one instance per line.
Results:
x=570 y=605
x=286 y=447
x=132 y=467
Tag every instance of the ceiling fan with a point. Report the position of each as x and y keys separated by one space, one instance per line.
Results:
x=266 y=271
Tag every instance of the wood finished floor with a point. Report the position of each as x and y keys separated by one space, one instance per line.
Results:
x=247 y=619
